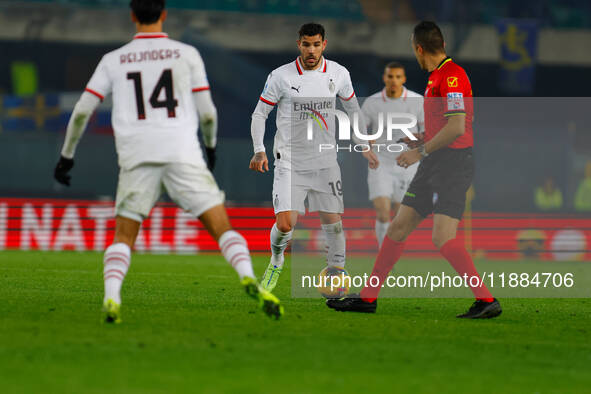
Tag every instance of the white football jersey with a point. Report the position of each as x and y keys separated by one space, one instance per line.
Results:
x=154 y=116
x=301 y=95
x=379 y=104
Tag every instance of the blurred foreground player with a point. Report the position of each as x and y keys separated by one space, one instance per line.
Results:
x=388 y=183
x=305 y=89
x=157 y=83
x=444 y=175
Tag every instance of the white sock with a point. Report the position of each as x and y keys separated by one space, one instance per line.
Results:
x=279 y=242
x=235 y=251
x=381 y=230
x=116 y=261
x=335 y=244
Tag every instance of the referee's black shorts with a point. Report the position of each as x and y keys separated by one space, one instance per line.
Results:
x=441 y=182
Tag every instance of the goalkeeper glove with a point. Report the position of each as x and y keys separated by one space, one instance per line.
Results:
x=61 y=170
x=210 y=153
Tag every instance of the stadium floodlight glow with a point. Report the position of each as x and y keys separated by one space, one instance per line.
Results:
x=344 y=132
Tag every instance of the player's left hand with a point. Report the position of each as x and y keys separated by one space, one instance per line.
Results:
x=210 y=153
x=372 y=159
x=408 y=158
x=64 y=165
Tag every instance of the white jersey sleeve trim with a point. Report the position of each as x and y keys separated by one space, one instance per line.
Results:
x=346 y=91
x=200 y=89
x=348 y=98
x=272 y=92
x=264 y=100
x=97 y=94
x=101 y=84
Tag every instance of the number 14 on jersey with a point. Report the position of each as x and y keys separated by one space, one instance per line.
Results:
x=164 y=82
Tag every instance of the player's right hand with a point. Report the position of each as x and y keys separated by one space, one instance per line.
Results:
x=211 y=158
x=259 y=162
x=372 y=159
x=62 y=168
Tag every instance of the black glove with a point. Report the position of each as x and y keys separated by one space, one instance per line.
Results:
x=210 y=153
x=61 y=170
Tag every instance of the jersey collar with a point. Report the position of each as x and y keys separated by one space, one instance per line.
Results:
x=446 y=60
x=300 y=66
x=150 y=35
x=403 y=96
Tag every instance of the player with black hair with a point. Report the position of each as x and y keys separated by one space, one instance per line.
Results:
x=160 y=95
x=302 y=90
x=388 y=183
x=148 y=12
x=312 y=30
x=444 y=175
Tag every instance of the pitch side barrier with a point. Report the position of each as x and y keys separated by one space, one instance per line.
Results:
x=83 y=225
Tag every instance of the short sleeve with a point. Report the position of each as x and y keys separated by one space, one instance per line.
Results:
x=346 y=91
x=453 y=88
x=199 y=80
x=100 y=83
x=271 y=93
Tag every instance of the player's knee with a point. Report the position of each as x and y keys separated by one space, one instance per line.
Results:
x=397 y=232
x=439 y=239
x=284 y=226
x=383 y=216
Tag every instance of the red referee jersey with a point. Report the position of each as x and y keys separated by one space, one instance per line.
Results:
x=448 y=93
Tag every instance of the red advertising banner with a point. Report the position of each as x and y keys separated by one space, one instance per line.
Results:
x=42 y=224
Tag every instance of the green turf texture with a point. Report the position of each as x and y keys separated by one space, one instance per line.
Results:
x=188 y=328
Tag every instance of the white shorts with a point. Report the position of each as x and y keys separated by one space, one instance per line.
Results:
x=191 y=187
x=322 y=188
x=390 y=180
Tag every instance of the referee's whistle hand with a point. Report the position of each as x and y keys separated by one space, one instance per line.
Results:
x=408 y=158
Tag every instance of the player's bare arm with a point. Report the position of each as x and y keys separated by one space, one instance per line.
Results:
x=455 y=127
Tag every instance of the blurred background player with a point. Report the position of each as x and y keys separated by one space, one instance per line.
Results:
x=157 y=83
x=304 y=89
x=547 y=196
x=583 y=195
x=388 y=183
x=441 y=182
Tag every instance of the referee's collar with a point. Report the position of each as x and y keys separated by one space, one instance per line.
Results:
x=447 y=59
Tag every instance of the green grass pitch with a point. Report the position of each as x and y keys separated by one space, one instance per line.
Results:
x=188 y=327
